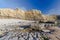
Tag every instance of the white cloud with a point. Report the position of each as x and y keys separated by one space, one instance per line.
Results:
x=24 y=8
x=55 y=9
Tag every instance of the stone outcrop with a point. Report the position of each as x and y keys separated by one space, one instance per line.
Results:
x=11 y=13
x=25 y=14
x=33 y=15
x=49 y=17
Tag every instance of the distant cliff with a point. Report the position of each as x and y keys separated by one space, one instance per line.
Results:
x=11 y=13
x=25 y=14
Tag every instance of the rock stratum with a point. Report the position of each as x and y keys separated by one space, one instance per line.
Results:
x=25 y=14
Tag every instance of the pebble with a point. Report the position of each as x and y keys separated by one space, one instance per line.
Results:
x=21 y=36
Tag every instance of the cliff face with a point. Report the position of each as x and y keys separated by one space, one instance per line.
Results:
x=49 y=17
x=21 y=14
x=33 y=15
x=25 y=14
x=11 y=13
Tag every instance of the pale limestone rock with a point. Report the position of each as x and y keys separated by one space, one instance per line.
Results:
x=49 y=17
x=25 y=14
x=11 y=13
x=33 y=15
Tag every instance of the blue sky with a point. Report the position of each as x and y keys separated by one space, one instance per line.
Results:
x=46 y=6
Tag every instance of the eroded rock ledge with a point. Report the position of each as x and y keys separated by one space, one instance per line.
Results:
x=25 y=14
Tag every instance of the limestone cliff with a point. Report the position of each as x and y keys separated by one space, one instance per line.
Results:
x=49 y=17
x=25 y=14
x=33 y=15
x=21 y=14
x=11 y=13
